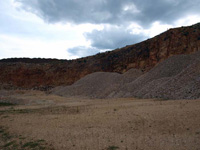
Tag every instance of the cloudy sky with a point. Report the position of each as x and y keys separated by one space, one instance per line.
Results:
x=68 y=29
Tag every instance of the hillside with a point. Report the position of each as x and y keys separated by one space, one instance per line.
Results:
x=44 y=74
x=175 y=78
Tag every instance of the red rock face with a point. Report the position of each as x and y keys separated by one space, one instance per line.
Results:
x=31 y=73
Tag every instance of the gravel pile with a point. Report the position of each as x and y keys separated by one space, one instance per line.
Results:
x=98 y=85
x=178 y=77
x=175 y=78
x=185 y=85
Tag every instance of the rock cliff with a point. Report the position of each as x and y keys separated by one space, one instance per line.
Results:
x=45 y=73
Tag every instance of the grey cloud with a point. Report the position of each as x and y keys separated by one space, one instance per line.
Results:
x=113 y=37
x=166 y=11
x=111 y=11
x=82 y=51
x=117 y=13
x=77 y=11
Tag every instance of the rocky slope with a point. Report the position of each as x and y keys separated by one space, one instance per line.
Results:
x=175 y=78
x=42 y=74
x=178 y=77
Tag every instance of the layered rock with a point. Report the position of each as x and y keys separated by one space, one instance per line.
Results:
x=39 y=73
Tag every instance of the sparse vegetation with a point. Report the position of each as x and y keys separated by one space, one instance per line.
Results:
x=30 y=145
x=4 y=134
x=93 y=125
x=14 y=111
x=166 y=37
x=186 y=33
x=2 y=104
x=8 y=142
x=77 y=109
x=112 y=148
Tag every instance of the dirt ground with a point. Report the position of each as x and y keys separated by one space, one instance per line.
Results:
x=42 y=121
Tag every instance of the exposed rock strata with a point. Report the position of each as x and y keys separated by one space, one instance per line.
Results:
x=39 y=73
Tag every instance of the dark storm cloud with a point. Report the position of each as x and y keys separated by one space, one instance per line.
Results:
x=112 y=37
x=111 y=11
x=165 y=11
x=77 y=11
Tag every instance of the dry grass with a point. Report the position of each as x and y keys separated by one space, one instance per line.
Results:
x=112 y=124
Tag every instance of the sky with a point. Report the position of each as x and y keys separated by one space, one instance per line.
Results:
x=70 y=29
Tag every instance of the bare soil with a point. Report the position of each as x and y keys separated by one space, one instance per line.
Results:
x=52 y=122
